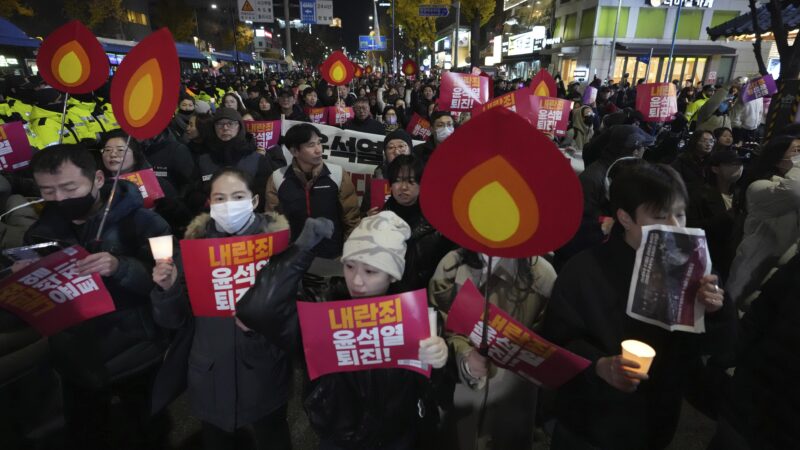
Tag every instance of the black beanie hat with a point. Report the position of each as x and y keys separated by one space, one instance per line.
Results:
x=227 y=113
x=398 y=134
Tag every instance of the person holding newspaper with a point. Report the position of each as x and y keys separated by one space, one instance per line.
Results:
x=610 y=405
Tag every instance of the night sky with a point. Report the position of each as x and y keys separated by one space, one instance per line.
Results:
x=355 y=19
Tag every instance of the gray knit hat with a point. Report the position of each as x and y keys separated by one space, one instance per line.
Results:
x=379 y=241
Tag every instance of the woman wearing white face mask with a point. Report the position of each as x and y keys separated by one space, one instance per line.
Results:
x=237 y=378
x=520 y=287
x=772 y=223
x=370 y=409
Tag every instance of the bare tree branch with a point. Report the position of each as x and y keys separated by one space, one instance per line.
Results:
x=762 y=68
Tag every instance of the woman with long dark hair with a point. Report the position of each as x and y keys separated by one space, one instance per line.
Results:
x=772 y=223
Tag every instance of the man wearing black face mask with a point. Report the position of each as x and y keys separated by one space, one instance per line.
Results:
x=117 y=353
x=182 y=114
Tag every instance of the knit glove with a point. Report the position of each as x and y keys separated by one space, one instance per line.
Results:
x=314 y=231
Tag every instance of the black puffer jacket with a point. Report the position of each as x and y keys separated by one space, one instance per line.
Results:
x=234 y=377
x=766 y=395
x=126 y=341
x=425 y=248
x=356 y=410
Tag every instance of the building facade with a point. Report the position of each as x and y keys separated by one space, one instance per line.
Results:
x=585 y=34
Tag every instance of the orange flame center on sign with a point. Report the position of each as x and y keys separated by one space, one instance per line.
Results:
x=494 y=205
x=338 y=71
x=542 y=90
x=143 y=93
x=70 y=64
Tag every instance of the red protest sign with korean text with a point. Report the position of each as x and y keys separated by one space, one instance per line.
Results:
x=148 y=185
x=419 y=127
x=15 y=149
x=220 y=271
x=337 y=70
x=519 y=101
x=551 y=115
x=51 y=297
x=370 y=333
x=380 y=191
x=543 y=84
x=512 y=346
x=265 y=132
x=500 y=187
x=656 y=101
x=72 y=60
x=145 y=88
x=338 y=115
x=317 y=115
x=461 y=91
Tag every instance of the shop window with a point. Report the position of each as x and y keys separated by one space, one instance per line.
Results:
x=568 y=69
x=608 y=18
x=136 y=17
x=677 y=69
x=569 y=26
x=700 y=72
x=559 y=29
x=619 y=68
x=587 y=23
x=690 y=24
x=721 y=17
x=650 y=24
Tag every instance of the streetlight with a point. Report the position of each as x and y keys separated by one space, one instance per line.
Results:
x=370 y=17
x=213 y=6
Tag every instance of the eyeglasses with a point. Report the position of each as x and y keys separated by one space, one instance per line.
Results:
x=222 y=124
x=707 y=141
x=113 y=150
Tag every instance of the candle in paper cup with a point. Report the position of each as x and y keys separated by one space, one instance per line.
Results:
x=161 y=247
x=640 y=352
x=432 y=320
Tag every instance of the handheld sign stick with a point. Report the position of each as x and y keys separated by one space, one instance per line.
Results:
x=113 y=193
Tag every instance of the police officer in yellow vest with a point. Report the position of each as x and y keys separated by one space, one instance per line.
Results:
x=82 y=107
x=45 y=120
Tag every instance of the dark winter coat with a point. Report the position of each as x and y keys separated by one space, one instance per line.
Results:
x=368 y=125
x=125 y=342
x=706 y=210
x=241 y=153
x=766 y=395
x=425 y=248
x=586 y=315
x=356 y=410
x=234 y=377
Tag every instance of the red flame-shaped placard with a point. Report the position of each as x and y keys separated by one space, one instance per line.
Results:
x=337 y=69
x=368 y=70
x=544 y=85
x=498 y=186
x=72 y=60
x=358 y=71
x=144 y=91
x=410 y=68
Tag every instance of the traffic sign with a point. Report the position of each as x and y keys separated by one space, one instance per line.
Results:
x=369 y=43
x=433 y=11
x=308 y=12
x=255 y=10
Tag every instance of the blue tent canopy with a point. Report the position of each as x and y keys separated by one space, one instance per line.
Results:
x=188 y=51
x=246 y=58
x=11 y=35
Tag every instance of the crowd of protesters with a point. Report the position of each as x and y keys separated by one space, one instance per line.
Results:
x=708 y=168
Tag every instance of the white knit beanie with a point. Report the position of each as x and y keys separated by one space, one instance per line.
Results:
x=379 y=241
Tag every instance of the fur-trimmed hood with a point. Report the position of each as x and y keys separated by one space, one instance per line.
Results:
x=274 y=222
